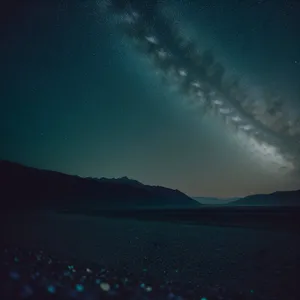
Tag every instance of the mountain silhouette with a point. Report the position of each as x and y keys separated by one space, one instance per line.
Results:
x=26 y=187
x=214 y=201
x=282 y=198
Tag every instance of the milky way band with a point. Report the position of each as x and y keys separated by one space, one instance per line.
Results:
x=202 y=81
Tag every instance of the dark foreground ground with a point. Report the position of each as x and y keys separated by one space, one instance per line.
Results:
x=260 y=217
x=151 y=255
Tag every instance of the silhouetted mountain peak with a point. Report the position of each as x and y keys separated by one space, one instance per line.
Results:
x=279 y=198
x=26 y=186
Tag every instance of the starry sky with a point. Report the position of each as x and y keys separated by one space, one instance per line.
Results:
x=76 y=96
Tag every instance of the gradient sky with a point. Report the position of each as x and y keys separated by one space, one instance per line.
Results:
x=77 y=99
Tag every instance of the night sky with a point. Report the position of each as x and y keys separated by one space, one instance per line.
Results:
x=78 y=97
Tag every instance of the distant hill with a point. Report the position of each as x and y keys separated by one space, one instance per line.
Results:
x=26 y=187
x=214 y=201
x=290 y=198
x=123 y=180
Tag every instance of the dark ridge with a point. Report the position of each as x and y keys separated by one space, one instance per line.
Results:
x=26 y=187
x=286 y=198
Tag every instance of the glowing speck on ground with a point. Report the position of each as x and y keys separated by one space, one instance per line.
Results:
x=105 y=286
x=79 y=287
x=51 y=289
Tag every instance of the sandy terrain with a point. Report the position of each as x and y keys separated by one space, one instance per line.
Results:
x=260 y=261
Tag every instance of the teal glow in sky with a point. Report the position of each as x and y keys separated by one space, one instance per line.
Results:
x=79 y=97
